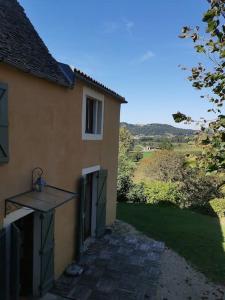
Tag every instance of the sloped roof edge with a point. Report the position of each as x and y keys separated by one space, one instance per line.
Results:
x=22 y=47
x=82 y=76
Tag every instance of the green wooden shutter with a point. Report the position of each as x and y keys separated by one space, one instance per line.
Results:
x=82 y=213
x=3 y=264
x=47 y=252
x=101 y=203
x=4 y=139
x=15 y=263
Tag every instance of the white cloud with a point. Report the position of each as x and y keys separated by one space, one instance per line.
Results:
x=121 y=25
x=146 y=56
x=110 y=27
x=129 y=25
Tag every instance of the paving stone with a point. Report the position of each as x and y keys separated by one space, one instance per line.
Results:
x=63 y=285
x=107 y=284
x=98 y=295
x=105 y=254
x=94 y=271
x=88 y=280
x=80 y=292
x=124 y=265
x=125 y=251
x=152 y=272
x=50 y=296
x=101 y=262
x=128 y=283
x=123 y=295
x=137 y=260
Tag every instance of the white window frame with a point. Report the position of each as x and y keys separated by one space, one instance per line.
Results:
x=93 y=169
x=87 y=92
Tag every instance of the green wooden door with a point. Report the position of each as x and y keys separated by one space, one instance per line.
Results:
x=82 y=214
x=4 y=144
x=3 y=264
x=47 y=252
x=15 y=263
x=101 y=203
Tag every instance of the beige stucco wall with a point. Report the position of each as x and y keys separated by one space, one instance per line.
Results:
x=45 y=130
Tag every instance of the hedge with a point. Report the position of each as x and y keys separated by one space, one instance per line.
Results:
x=218 y=206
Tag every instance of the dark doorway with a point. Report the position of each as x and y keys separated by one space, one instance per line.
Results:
x=88 y=206
x=25 y=226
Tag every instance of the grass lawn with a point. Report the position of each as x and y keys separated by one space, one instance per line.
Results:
x=186 y=148
x=148 y=154
x=198 y=238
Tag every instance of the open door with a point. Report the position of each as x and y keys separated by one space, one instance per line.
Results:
x=9 y=272
x=101 y=203
x=46 y=251
x=83 y=183
x=91 y=208
x=15 y=263
x=3 y=287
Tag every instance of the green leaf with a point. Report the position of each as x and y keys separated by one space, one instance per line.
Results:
x=179 y=117
x=209 y=15
x=212 y=25
x=200 y=48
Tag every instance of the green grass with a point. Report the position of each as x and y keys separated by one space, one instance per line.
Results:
x=186 y=148
x=198 y=238
x=148 y=154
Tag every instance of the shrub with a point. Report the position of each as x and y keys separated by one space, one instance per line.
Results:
x=164 y=166
x=157 y=191
x=137 y=193
x=137 y=154
x=124 y=184
x=197 y=189
x=218 y=206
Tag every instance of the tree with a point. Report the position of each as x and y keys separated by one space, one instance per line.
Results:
x=125 y=164
x=166 y=144
x=165 y=166
x=126 y=141
x=212 y=79
x=137 y=153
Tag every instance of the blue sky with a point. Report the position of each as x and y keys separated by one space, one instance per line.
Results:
x=130 y=46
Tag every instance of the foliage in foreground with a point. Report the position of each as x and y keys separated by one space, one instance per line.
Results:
x=126 y=165
x=167 y=177
x=159 y=191
x=210 y=78
x=218 y=206
x=164 y=166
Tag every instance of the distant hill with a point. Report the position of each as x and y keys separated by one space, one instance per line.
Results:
x=156 y=129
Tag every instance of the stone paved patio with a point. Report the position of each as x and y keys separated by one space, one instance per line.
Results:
x=123 y=265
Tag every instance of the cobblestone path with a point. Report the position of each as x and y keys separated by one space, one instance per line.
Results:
x=123 y=265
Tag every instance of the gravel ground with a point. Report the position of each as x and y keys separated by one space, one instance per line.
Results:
x=179 y=281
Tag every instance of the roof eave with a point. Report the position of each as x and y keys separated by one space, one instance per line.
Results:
x=41 y=76
x=95 y=84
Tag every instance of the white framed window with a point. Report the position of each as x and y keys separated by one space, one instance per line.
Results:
x=92 y=115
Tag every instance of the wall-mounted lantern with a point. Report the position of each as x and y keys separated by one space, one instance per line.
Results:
x=38 y=182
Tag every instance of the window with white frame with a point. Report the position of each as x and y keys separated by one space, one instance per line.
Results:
x=93 y=103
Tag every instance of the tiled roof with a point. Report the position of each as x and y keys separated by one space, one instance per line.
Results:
x=79 y=74
x=21 y=46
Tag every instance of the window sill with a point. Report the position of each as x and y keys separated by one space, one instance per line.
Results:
x=92 y=137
